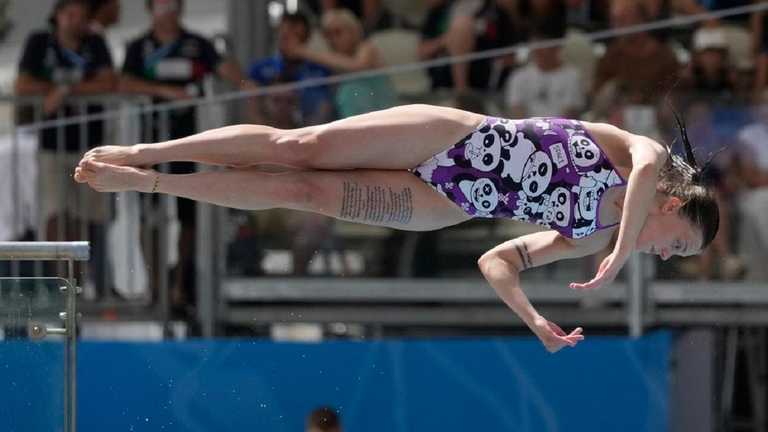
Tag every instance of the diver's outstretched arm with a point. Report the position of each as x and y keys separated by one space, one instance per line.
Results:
x=503 y=264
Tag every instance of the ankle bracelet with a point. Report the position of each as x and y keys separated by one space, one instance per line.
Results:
x=157 y=183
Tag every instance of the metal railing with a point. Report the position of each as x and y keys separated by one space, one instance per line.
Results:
x=68 y=252
x=45 y=251
x=367 y=250
x=60 y=206
x=214 y=238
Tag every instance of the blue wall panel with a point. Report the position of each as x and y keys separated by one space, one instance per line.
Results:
x=31 y=386
x=508 y=384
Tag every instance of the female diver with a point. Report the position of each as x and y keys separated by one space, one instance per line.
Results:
x=421 y=167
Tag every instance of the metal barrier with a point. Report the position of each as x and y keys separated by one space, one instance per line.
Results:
x=44 y=251
x=372 y=247
x=57 y=251
x=62 y=209
x=58 y=141
x=272 y=243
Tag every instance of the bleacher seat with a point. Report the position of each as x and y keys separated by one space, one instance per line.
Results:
x=579 y=52
x=739 y=45
x=413 y=11
x=396 y=47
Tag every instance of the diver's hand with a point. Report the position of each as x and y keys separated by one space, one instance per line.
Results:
x=607 y=272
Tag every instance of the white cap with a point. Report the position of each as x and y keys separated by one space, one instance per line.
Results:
x=709 y=38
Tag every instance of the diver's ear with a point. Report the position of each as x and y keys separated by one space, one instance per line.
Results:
x=671 y=205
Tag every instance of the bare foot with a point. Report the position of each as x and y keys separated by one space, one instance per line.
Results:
x=113 y=178
x=116 y=155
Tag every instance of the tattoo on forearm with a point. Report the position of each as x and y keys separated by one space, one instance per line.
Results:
x=376 y=204
x=525 y=257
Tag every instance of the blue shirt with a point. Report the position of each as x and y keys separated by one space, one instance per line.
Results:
x=275 y=69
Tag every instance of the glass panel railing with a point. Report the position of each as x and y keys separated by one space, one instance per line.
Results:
x=33 y=354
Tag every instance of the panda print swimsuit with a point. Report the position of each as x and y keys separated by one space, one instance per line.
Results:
x=547 y=171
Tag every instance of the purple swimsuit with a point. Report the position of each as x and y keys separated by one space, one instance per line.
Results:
x=547 y=171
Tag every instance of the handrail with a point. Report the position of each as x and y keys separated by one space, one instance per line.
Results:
x=45 y=251
x=401 y=68
x=98 y=98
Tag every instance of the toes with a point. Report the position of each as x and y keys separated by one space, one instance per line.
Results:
x=94 y=154
x=91 y=165
x=82 y=175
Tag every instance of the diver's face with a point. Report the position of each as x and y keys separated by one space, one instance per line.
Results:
x=667 y=233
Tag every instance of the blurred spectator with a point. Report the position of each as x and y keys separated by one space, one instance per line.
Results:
x=373 y=14
x=759 y=22
x=316 y=103
x=433 y=41
x=104 y=14
x=68 y=60
x=170 y=63
x=724 y=4
x=595 y=14
x=479 y=25
x=323 y=419
x=350 y=52
x=280 y=109
x=547 y=18
x=713 y=149
x=637 y=69
x=753 y=202
x=588 y=15
x=709 y=74
x=709 y=83
x=665 y=9
x=744 y=82
x=545 y=87
x=742 y=19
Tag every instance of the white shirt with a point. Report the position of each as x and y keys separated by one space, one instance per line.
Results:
x=18 y=209
x=549 y=93
x=754 y=140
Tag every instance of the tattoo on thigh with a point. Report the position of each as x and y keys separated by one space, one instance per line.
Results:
x=376 y=204
x=525 y=257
